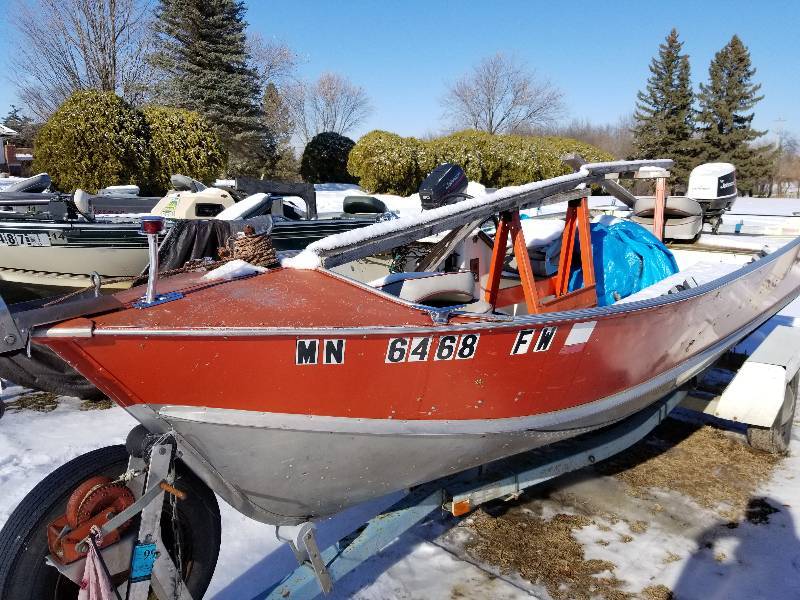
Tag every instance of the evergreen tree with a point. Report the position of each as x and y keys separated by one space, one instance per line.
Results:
x=664 y=115
x=23 y=125
x=204 y=63
x=282 y=164
x=725 y=116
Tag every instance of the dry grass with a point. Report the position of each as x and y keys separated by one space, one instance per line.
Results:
x=47 y=401
x=36 y=401
x=544 y=552
x=657 y=592
x=713 y=468
x=103 y=404
x=671 y=557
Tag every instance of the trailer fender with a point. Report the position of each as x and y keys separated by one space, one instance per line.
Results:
x=757 y=394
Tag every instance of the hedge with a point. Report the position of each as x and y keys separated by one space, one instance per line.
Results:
x=387 y=163
x=181 y=141
x=94 y=139
x=325 y=159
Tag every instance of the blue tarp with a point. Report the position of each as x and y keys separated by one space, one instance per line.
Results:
x=627 y=258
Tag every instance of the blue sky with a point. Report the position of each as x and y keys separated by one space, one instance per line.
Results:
x=404 y=53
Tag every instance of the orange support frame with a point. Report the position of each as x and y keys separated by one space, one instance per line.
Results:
x=556 y=288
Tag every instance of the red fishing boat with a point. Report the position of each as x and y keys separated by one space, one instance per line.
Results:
x=296 y=392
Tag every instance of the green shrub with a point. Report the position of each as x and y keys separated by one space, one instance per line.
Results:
x=384 y=162
x=93 y=140
x=562 y=146
x=325 y=159
x=388 y=163
x=181 y=141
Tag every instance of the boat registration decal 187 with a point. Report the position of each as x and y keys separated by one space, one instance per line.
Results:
x=24 y=239
x=419 y=349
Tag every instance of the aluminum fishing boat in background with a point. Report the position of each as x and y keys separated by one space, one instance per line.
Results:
x=51 y=243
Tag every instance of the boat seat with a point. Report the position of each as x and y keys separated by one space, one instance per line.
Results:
x=429 y=286
x=683 y=217
x=675 y=206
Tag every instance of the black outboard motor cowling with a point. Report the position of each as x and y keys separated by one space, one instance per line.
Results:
x=446 y=184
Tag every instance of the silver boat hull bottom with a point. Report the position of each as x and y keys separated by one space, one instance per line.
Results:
x=306 y=474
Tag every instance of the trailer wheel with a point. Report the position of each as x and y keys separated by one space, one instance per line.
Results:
x=24 y=575
x=776 y=439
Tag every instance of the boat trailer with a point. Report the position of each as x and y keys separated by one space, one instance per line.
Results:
x=774 y=368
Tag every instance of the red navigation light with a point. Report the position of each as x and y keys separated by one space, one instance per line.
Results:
x=152 y=225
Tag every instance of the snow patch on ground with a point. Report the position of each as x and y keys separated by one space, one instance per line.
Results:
x=690 y=550
x=33 y=444
x=8 y=181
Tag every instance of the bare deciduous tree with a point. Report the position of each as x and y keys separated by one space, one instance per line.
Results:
x=617 y=138
x=67 y=45
x=273 y=60
x=500 y=94
x=332 y=103
x=786 y=170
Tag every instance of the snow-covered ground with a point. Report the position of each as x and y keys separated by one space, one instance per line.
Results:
x=7 y=181
x=431 y=561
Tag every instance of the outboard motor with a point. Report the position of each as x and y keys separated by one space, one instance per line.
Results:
x=446 y=184
x=713 y=186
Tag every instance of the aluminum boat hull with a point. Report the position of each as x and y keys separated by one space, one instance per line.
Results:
x=284 y=437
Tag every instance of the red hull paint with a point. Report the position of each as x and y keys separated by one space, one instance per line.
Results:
x=259 y=373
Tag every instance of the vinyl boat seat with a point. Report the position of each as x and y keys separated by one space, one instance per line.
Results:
x=429 y=287
x=683 y=217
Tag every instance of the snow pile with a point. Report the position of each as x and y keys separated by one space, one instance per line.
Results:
x=232 y=270
x=700 y=273
x=241 y=208
x=540 y=232
x=732 y=241
x=8 y=181
x=302 y=260
x=33 y=444
x=785 y=207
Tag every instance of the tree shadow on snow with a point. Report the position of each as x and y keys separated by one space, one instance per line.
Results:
x=765 y=561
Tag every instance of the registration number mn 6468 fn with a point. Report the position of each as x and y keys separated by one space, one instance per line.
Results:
x=24 y=239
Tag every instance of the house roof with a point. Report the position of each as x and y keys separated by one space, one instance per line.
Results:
x=6 y=131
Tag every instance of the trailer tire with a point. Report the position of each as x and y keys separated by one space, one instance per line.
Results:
x=776 y=439
x=23 y=543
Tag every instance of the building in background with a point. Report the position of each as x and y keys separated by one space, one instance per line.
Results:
x=8 y=154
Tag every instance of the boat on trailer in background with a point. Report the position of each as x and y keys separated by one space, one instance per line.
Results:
x=53 y=243
x=457 y=367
